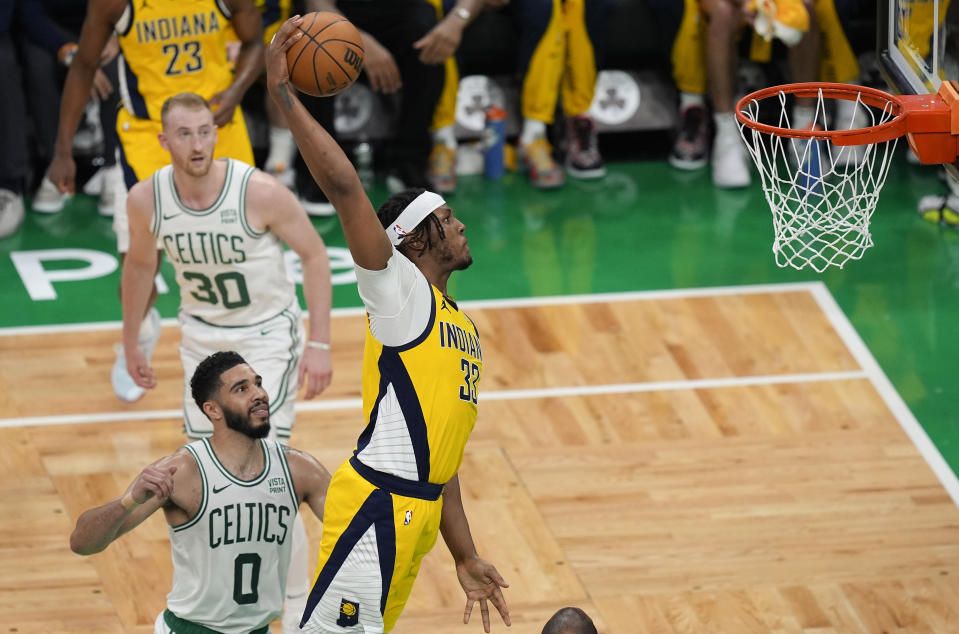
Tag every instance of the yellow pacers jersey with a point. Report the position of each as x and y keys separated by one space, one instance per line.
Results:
x=420 y=398
x=169 y=47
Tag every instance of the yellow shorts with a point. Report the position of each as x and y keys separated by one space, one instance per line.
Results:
x=373 y=544
x=141 y=155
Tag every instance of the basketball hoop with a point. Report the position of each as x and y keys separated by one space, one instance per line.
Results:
x=823 y=184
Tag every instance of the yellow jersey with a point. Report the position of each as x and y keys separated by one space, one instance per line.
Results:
x=169 y=47
x=420 y=398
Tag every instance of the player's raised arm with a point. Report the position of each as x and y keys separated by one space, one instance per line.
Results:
x=330 y=167
x=98 y=527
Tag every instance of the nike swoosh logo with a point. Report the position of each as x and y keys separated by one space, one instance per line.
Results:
x=266 y=332
x=216 y=490
x=171 y=216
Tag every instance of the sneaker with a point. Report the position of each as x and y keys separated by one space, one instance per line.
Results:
x=318 y=207
x=94 y=184
x=786 y=20
x=691 y=149
x=730 y=168
x=11 y=212
x=537 y=158
x=404 y=176
x=123 y=385
x=48 y=199
x=112 y=180
x=940 y=210
x=280 y=161
x=442 y=169
x=582 y=155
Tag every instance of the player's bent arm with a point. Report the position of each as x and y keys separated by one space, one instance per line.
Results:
x=330 y=167
x=248 y=24
x=98 y=26
x=98 y=527
x=310 y=478
x=139 y=264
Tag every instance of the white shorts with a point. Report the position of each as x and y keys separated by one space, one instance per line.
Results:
x=273 y=349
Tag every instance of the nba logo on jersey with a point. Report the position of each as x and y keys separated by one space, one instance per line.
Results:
x=408 y=518
x=349 y=613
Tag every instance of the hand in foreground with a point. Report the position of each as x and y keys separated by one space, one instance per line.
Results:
x=277 y=68
x=482 y=583
x=139 y=368
x=156 y=480
x=316 y=370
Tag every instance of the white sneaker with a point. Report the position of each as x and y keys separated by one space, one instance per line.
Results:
x=48 y=199
x=318 y=208
x=730 y=168
x=280 y=161
x=123 y=384
x=94 y=184
x=112 y=179
x=11 y=212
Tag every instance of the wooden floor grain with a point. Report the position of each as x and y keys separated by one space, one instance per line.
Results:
x=777 y=506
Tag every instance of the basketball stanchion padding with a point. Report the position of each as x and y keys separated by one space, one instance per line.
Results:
x=823 y=184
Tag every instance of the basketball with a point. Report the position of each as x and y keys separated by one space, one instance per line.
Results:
x=329 y=56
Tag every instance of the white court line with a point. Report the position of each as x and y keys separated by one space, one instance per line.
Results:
x=496 y=395
x=871 y=369
x=857 y=347
x=517 y=302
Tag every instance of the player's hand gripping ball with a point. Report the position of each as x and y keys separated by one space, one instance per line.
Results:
x=329 y=56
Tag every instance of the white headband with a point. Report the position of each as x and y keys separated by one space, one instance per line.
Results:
x=422 y=206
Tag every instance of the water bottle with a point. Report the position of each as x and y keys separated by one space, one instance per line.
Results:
x=363 y=158
x=493 y=165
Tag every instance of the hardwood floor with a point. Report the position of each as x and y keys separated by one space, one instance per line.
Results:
x=714 y=463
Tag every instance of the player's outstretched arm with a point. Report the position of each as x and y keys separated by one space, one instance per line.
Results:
x=98 y=26
x=330 y=167
x=136 y=281
x=275 y=207
x=479 y=578
x=97 y=528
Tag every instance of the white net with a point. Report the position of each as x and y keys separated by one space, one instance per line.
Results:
x=822 y=195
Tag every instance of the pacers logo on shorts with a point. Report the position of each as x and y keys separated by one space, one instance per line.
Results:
x=349 y=613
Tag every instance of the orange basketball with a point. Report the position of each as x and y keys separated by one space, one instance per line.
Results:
x=329 y=56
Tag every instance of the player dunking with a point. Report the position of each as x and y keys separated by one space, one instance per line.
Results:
x=229 y=501
x=421 y=369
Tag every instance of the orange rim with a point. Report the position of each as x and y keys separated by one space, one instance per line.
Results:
x=894 y=128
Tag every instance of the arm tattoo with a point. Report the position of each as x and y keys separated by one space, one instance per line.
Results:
x=285 y=96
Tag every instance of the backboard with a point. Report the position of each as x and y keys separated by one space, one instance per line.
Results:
x=918 y=45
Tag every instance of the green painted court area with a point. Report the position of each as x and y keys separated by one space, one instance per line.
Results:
x=645 y=226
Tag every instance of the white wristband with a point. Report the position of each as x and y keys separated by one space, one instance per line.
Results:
x=318 y=344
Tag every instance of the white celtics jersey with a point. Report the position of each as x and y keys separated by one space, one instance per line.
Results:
x=229 y=273
x=230 y=561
